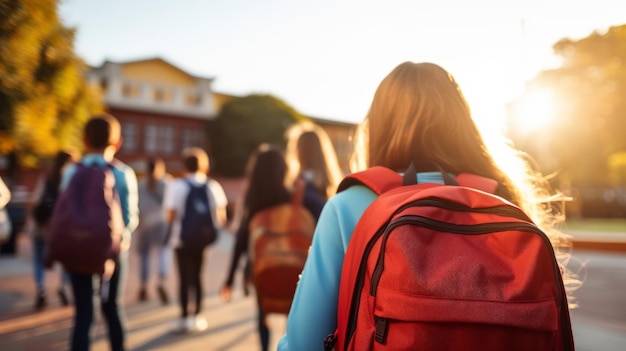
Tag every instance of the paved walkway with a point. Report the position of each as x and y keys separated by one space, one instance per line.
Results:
x=599 y=325
x=232 y=326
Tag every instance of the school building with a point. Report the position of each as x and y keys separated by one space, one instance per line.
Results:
x=163 y=109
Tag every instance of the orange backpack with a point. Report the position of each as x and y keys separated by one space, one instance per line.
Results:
x=280 y=237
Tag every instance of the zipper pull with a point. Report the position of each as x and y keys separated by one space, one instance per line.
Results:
x=330 y=341
x=381 y=329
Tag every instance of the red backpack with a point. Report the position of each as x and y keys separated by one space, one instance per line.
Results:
x=442 y=267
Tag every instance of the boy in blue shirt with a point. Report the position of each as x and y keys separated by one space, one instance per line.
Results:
x=102 y=139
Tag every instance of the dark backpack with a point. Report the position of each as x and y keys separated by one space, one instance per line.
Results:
x=43 y=210
x=197 y=228
x=87 y=225
x=280 y=237
x=447 y=267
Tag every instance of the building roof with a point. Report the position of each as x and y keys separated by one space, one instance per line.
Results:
x=160 y=60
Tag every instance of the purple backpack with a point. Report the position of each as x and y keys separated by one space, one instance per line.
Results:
x=87 y=222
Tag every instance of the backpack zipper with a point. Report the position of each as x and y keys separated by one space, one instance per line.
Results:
x=503 y=210
x=360 y=280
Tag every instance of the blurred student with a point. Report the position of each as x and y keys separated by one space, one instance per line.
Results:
x=5 y=220
x=102 y=139
x=16 y=208
x=267 y=171
x=190 y=258
x=44 y=199
x=311 y=157
x=418 y=113
x=150 y=232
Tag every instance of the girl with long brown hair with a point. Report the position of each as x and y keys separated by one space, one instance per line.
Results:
x=418 y=116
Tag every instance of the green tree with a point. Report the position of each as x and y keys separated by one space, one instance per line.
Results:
x=44 y=99
x=242 y=125
x=590 y=111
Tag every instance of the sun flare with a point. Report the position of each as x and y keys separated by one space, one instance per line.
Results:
x=536 y=110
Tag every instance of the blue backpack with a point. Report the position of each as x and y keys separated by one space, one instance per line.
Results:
x=197 y=229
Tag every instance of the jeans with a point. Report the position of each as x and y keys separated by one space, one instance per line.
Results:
x=39 y=248
x=84 y=286
x=144 y=262
x=189 y=271
x=39 y=272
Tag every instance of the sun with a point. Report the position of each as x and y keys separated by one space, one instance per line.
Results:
x=536 y=110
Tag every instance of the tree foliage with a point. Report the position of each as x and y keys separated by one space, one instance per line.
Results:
x=590 y=116
x=242 y=125
x=44 y=99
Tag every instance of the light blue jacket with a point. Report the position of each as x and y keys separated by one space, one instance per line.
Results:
x=313 y=314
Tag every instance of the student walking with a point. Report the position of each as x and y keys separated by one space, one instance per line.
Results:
x=312 y=158
x=44 y=199
x=117 y=200
x=195 y=207
x=418 y=115
x=150 y=232
x=266 y=189
x=5 y=220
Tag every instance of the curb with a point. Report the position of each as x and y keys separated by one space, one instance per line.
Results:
x=600 y=245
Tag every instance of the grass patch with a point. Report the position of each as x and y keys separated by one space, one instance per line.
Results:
x=617 y=225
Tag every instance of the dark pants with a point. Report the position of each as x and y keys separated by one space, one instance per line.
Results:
x=264 y=332
x=84 y=287
x=189 y=277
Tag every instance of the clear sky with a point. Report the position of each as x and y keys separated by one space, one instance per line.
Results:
x=326 y=57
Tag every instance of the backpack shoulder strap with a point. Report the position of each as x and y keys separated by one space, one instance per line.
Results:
x=298 y=192
x=379 y=179
x=192 y=186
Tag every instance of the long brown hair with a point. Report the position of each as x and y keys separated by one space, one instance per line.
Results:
x=266 y=180
x=309 y=149
x=419 y=115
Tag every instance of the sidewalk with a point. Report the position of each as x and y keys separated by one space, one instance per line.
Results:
x=598 y=325
x=602 y=241
x=232 y=326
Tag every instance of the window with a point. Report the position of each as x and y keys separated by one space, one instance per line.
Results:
x=190 y=99
x=193 y=137
x=167 y=139
x=186 y=138
x=162 y=95
x=129 y=137
x=193 y=99
x=130 y=90
x=104 y=85
x=159 y=139
x=150 y=139
x=159 y=95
